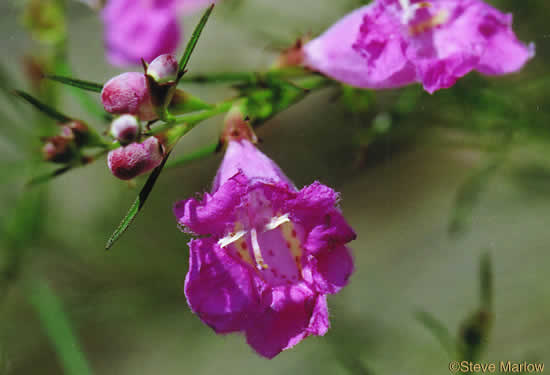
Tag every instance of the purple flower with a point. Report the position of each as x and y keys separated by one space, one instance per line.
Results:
x=392 y=43
x=268 y=253
x=136 y=29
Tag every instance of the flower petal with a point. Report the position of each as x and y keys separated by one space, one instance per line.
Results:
x=136 y=29
x=332 y=231
x=285 y=321
x=504 y=52
x=330 y=270
x=215 y=213
x=220 y=289
x=242 y=156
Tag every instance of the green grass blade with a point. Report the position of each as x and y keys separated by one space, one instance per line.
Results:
x=486 y=282
x=199 y=154
x=193 y=41
x=438 y=330
x=48 y=176
x=78 y=83
x=44 y=108
x=137 y=205
x=58 y=328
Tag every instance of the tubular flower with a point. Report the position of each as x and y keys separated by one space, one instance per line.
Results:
x=392 y=43
x=136 y=29
x=268 y=253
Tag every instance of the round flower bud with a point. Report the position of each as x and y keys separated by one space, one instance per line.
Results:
x=135 y=159
x=163 y=69
x=128 y=93
x=125 y=129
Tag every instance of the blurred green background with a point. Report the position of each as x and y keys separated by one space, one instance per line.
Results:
x=429 y=182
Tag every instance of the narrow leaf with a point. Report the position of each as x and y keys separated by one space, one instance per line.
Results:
x=48 y=176
x=44 y=108
x=486 y=282
x=193 y=41
x=199 y=154
x=55 y=322
x=438 y=330
x=137 y=205
x=78 y=83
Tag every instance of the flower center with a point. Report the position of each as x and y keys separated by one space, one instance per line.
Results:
x=416 y=27
x=274 y=250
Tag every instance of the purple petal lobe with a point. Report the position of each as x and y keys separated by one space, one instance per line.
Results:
x=219 y=288
x=390 y=44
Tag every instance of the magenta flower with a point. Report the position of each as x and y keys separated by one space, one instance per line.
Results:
x=268 y=253
x=392 y=43
x=136 y=29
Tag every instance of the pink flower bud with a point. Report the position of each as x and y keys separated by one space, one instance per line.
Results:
x=125 y=129
x=135 y=159
x=60 y=148
x=128 y=93
x=163 y=69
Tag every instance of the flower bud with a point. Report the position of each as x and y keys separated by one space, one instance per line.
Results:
x=293 y=55
x=135 y=159
x=163 y=69
x=128 y=93
x=60 y=148
x=80 y=132
x=236 y=126
x=125 y=129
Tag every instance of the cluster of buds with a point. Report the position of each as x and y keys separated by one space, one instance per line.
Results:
x=66 y=145
x=138 y=97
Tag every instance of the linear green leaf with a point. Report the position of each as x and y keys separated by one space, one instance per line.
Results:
x=137 y=205
x=486 y=281
x=56 y=323
x=44 y=108
x=193 y=41
x=78 y=83
x=48 y=176
x=199 y=154
x=438 y=330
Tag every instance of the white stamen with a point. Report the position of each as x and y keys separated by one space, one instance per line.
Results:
x=409 y=10
x=256 y=249
x=276 y=222
x=228 y=240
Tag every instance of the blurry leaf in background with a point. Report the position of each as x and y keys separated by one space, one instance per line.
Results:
x=357 y=100
x=45 y=20
x=58 y=328
x=468 y=196
x=18 y=231
x=474 y=331
x=439 y=331
x=533 y=179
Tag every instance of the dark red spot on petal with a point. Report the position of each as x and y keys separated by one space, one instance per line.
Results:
x=294 y=233
x=271 y=253
x=244 y=246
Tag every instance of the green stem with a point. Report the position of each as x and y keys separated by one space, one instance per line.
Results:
x=252 y=78
x=192 y=118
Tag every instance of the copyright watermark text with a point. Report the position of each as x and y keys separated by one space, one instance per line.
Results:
x=511 y=367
